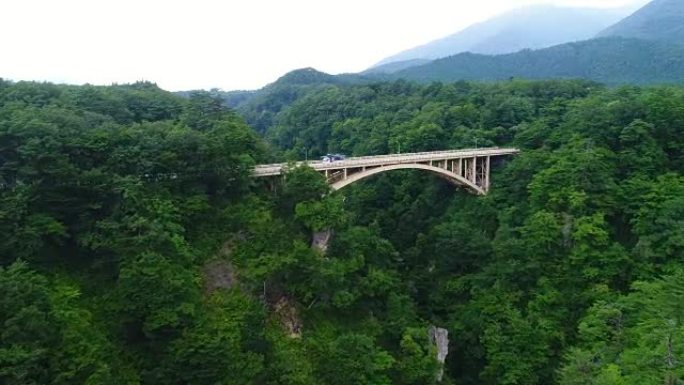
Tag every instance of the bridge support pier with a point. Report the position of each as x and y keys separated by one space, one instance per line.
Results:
x=487 y=171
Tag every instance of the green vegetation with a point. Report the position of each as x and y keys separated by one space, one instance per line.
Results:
x=135 y=249
x=644 y=48
x=262 y=107
x=658 y=20
x=531 y=27
x=612 y=61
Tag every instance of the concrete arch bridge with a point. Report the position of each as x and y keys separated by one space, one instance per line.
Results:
x=465 y=168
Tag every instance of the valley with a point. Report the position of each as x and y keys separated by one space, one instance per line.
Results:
x=502 y=206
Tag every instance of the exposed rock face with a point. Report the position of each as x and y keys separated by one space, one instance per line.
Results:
x=321 y=240
x=289 y=317
x=566 y=230
x=440 y=337
x=219 y=273
x=216 y=275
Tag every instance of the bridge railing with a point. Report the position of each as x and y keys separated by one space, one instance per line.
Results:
x=392 y=156
x=273 y=169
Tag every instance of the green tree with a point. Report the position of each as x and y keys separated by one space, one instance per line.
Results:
x=222 y=347
x=28 y=335
x=353 y=359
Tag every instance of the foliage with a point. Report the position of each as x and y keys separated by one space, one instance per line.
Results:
x=136 y=249
x=657 y=20
x=602 y=60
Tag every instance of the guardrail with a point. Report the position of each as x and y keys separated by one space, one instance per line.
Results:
x=380 y=160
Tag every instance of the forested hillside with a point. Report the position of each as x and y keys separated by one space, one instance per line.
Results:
x=531 y=27
x=135 y=249
x=659 y=20
x=613 y=61
x=261 y=107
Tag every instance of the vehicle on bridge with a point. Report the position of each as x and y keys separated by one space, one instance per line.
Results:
x=329 y=158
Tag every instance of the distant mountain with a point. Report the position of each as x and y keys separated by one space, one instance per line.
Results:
x=304 y=76
x=612 y=60
x=235 y=98
x=397 y=66
x=659 y=20
x=312 y=77
x=530 y=27
x=608 y=60
x=261 y=107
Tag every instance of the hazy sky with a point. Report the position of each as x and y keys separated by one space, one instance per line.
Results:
x=239 y=44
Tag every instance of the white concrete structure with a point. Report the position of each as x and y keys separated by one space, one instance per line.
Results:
x=467 y=168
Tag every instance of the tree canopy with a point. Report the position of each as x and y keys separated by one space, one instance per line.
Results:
x=136 y=249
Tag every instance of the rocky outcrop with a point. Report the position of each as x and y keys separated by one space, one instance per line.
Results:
x=566 y=230
x=440 y=338
x=217 y=274
x=321 y=240
x=289 y=317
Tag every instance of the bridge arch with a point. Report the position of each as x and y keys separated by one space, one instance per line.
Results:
x=453 y=178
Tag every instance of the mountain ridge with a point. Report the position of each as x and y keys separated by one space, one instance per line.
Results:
x=661 y=20
x=611 y=60
x=531 y=27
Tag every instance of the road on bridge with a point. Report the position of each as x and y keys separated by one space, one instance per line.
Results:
x=386 y=160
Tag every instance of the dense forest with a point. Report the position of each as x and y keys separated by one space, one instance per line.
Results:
x=657 y=20
x=527 y=27
x=550 y=43
x=613 y=61
x=136 y=249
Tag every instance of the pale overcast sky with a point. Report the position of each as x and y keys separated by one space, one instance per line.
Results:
x=240 y=44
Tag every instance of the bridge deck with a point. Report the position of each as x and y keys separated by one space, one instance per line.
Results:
x=385 y=160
